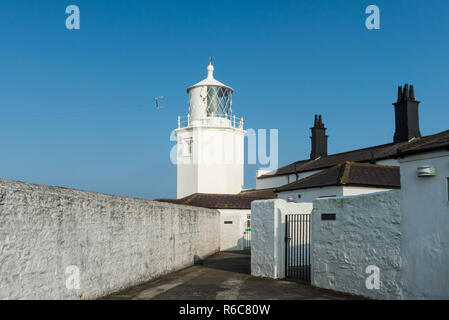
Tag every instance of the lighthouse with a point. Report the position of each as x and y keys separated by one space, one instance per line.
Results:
x=210 y=141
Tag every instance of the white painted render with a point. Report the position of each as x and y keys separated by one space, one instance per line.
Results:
x=215 y=163
x=366 y=232
x=233 y=225
x=116 y=242
x=210 y=148
x=311 y=194
x=353 y=191
x=425 y=227
x=388 y=162
x=268 y=233
x=410 y=249
x=272 y=182
x=278 y=181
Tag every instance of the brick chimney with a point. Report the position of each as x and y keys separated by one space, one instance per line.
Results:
x=406 y=114
x=319 y=139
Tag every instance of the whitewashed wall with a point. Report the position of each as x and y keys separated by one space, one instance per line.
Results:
x=311 y=194
x=272 y=182
x=268 y=233
x=388 y=162
x=116 y=242
x=354 y=191
x=425 y=227
x=232 y=226
x=366 y=232
x=277 y=181
x=216 y=162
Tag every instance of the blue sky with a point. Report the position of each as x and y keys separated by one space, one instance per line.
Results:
x=77 y=110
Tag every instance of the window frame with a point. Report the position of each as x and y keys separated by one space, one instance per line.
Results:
x=187 y=147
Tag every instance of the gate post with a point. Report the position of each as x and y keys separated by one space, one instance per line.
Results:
x=281 y=240
x=267 y=243
x=268 y=236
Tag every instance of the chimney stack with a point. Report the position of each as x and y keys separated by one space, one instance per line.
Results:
x=406 y=114
x=319 y=139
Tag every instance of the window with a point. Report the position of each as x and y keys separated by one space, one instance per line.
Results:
x=187 y=147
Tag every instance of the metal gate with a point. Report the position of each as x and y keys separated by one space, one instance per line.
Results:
x=247 y=233
x=297 y=246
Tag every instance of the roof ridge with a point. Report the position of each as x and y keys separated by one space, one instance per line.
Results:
x=386 y=144
x=387 y=150
x=363 y=164
x=348 y=174
x=422 y=140
x=332 y=155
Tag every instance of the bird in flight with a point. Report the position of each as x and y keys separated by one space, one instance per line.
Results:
x=157 y=102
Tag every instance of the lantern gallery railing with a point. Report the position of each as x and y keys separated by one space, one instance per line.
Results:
x=233 y=121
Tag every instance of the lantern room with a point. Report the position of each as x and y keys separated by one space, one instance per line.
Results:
x=210 y=98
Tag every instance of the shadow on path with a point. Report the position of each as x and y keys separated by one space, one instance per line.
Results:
x=223 y=276
x=233 y=261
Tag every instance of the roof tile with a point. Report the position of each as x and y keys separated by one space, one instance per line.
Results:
x=376 y=153
x=349 y=173
x=224 y=201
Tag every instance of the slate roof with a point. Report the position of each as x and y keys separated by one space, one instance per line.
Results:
x=350 y=174
x=224 y=201
x=347 y=168
x=381 y=152
x=439 y=141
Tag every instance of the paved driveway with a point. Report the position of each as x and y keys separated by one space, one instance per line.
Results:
x=223 y=276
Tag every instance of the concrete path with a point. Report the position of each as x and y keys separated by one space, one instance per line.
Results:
x=224 y=276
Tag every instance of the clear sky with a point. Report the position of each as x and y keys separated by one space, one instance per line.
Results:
x=77 y=109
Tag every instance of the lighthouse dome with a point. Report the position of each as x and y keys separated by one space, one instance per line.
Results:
x=210 y=80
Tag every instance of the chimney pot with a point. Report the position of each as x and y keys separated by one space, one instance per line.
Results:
x=406 y=94
x=319 y=139
x=406 y=115
x=399 y=93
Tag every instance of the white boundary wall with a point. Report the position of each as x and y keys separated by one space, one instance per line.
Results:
x=408 y=243
x=116 y=242
x=366 y=232
x=268 y=233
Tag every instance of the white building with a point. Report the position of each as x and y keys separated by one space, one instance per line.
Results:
x=346 y=179
x=425 y=217
x=211 y=141
x=403 y=234
x=210 y=161
x=407 y=128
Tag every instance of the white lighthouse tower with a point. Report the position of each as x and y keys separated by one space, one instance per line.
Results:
x=210 y=141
